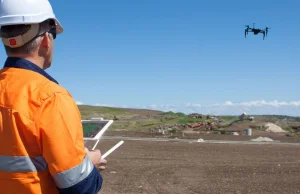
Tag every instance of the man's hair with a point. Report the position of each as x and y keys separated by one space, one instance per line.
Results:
x=16 y=30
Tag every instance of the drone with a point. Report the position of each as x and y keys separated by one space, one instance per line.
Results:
x=256 y=31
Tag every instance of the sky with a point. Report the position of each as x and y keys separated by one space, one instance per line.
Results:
x=182 y=56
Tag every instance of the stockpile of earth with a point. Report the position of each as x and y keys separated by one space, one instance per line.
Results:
x=262 y=139
x=270 y=127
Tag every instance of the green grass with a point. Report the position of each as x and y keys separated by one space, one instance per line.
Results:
x=104 y=110
x=185 y=120
x=292 y=129
x=131 y=126
x=88 y=112
x=261 y=128
x=230 y=119
x=180 y=114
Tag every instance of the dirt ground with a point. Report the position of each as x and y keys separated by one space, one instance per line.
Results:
x=186 y=167
x=281 y=137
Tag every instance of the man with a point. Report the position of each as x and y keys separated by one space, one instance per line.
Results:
x=41 y=136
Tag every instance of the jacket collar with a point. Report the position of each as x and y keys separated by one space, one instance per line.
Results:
x=15 y=62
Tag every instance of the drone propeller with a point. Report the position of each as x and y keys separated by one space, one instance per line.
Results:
x=267 y=29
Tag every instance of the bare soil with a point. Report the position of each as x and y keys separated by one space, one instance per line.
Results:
x=185 y=167
x=280 y=137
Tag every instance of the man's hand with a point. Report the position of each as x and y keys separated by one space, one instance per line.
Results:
x=95 y=157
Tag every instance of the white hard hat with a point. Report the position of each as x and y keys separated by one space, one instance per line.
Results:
x=14 y=12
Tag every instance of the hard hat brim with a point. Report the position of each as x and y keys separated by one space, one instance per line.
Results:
x=59 y=28
x=20 y=20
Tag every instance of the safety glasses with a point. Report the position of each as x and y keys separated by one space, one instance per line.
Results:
x=53 y=29
x=53 y=32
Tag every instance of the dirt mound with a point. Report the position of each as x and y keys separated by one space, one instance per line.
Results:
x=270 y=127
x=262 y=139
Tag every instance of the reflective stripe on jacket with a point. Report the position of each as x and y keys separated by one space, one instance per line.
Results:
x=41 y=136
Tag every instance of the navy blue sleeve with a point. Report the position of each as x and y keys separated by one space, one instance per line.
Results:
x=90 y=185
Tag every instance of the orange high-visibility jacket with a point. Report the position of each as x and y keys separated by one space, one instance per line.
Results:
x=41 y=136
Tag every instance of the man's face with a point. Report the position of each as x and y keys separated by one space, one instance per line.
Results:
x=50 y=49
x=49 y=41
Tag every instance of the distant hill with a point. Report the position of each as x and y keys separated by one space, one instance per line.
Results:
x=131 y=119
x=88 y=112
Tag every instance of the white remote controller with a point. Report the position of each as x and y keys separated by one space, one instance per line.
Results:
x=112 y=149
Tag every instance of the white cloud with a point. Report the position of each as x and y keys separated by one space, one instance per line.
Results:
x=295 y=103
x=107 y=105
x=153 y=106
x=79 y=103
x=260 y=103
x=235 y=108
x=192 y=105
x=228 y=103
